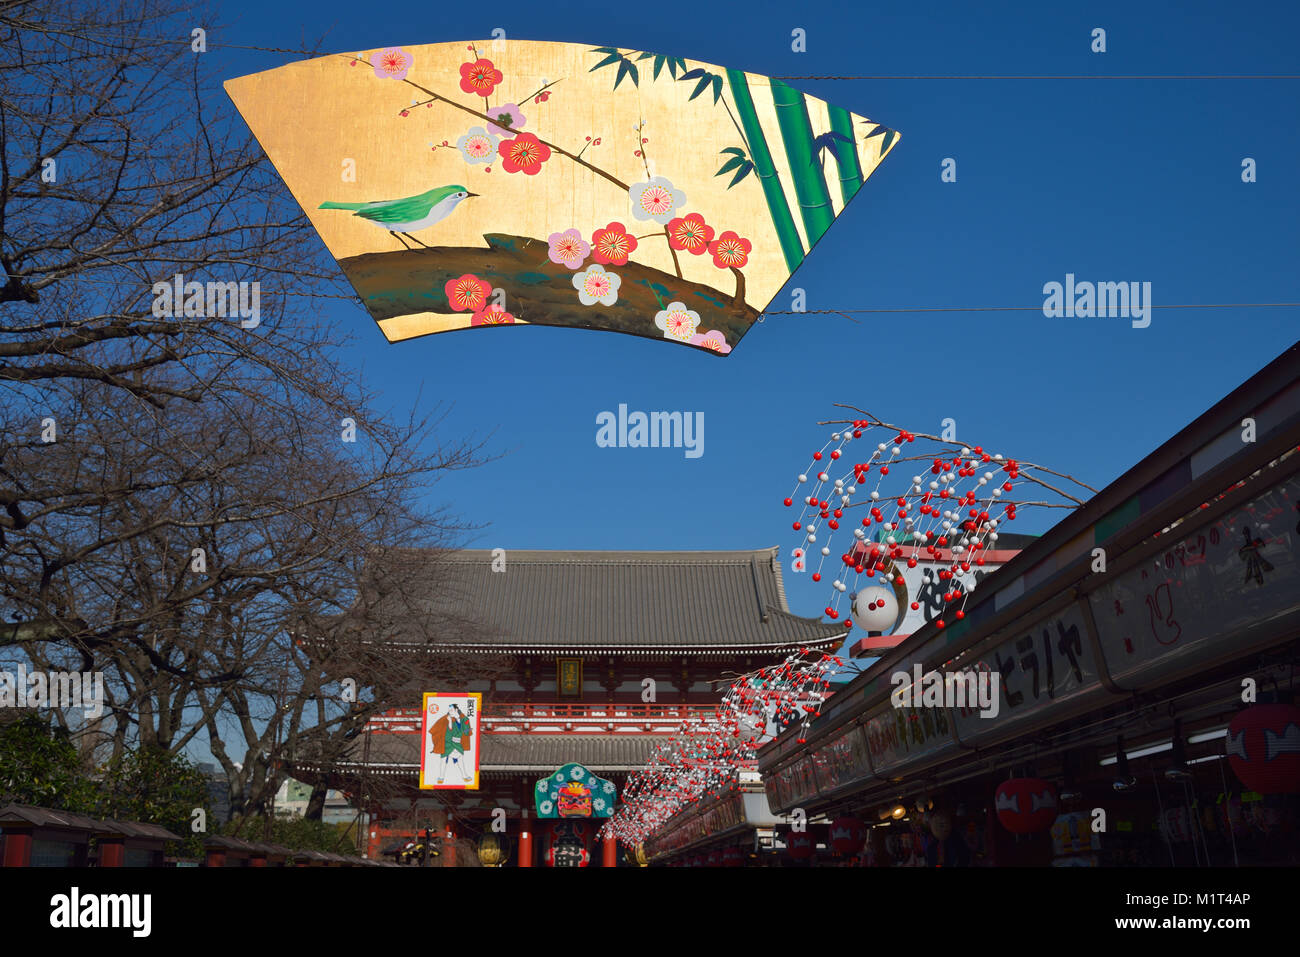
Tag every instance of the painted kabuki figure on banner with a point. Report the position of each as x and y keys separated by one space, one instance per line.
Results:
x=451 y=740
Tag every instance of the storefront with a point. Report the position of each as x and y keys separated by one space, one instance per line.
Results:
x=1141 y=662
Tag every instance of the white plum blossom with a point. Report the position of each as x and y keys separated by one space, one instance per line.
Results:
x=478 y=146
x=596 y=285
x=677 y=322
x=656 y=199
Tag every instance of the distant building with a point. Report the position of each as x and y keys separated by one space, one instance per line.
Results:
x=218 y=792
x=293 y=798
x=585 y=631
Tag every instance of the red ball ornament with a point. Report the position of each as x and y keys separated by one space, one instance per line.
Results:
x=1025 y=805
x=1264 y=748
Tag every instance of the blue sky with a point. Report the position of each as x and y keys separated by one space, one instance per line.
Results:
x=1107 y=179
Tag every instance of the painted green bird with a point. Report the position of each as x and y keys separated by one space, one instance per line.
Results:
x=401 y=216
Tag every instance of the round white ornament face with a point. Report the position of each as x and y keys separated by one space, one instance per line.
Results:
x=876 y=609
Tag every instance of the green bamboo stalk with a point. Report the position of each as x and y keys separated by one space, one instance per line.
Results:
x=846 y=154
x=809 y=183
x=786 y=232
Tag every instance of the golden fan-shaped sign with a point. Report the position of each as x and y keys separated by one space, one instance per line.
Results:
x=512 y=181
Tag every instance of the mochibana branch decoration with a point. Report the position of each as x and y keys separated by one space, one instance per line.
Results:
x=704 y=757
x=926 y=499
x=942 y=507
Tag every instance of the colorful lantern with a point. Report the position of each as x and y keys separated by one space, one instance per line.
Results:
x=847 y=835
x=799 y=845
x=1264 y=748
x=1025 y=805
x=490 y=851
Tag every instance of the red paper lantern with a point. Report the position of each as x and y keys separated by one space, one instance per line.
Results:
x=847 y=835
x=799 y=845
x=1264 y=748
x=733 y=857
x=1025 y=805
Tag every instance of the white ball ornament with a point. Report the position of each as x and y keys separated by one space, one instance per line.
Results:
x=803 y=478
x=825 y=550
x=876 y=609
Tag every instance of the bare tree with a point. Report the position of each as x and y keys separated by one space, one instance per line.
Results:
x=180 y=504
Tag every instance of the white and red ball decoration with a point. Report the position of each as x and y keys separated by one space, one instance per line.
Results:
x=1264 y=748
x=876 y=609
x=702 y=762
x=848 y=834
x=937 y=502
x=1025 y=805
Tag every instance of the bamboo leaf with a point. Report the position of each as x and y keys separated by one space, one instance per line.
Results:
x=681 y=64
x=627 y=68
x=701 y=86
x=730 y=165
x=825 y=142
x=692 y=74
x=602 y=50
x=717 y=89
x=612 y=58
x=659 y=65
x=878 y=131
x=646 y=56
x=744 y=171
x=734 y=149
x=887 y=142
